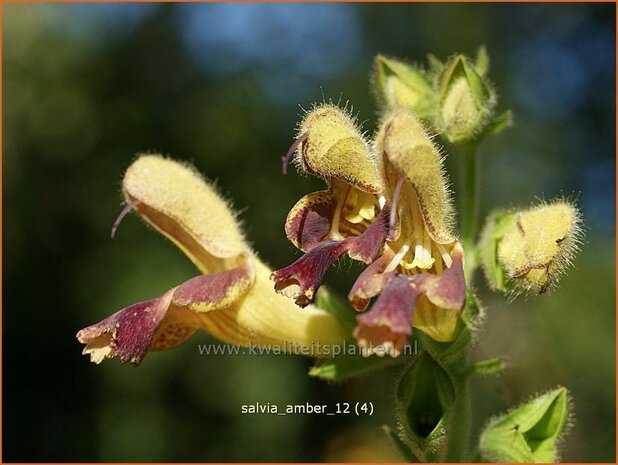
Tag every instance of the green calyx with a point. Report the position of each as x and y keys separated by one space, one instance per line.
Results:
x=400 y=84
x=465 y=100
x=528 y=433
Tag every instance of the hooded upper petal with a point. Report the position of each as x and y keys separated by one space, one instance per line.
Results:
x=335 y=148
x=405 y=144
x=174 y=198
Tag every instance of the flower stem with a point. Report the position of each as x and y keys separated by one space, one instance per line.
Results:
x=459 y=426
x=470 y=205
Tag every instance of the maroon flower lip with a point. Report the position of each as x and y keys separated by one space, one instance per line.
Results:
x=301 y=279
x=387 y=326
x=369 y=283
x=310 y=219
x=163 y=322
x=128 y=332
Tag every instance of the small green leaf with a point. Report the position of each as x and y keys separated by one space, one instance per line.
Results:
x=346 y=366
x=482 y=61
x=486 y=367
x=500 y=122
x=496 y=226
x=528 y=433
x=424 y=395
x=435 y=64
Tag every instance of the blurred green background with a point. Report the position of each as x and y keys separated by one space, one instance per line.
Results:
x=86 y=87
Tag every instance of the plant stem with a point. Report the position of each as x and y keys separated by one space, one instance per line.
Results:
x=403 y=449
x=470 y=205
x=459 y=426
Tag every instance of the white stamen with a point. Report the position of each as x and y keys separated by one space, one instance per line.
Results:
x=448 y=261
x=397 y=258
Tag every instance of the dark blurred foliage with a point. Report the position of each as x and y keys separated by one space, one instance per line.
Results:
x=86 y=87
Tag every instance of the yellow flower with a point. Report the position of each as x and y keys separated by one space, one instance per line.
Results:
x=415 y=262
x=232 y=299
x=419 y=277
x=329 y=223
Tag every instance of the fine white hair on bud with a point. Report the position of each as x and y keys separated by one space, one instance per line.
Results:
x=465 y=100
x=529 y=250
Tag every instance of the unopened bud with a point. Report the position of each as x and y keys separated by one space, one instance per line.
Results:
x=401 y=84
x=529 y=250
x=529 y=433
x=465 y=101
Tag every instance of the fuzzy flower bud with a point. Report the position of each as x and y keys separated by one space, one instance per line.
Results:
x=465 y=101
x=400 y=84
x=529 y=250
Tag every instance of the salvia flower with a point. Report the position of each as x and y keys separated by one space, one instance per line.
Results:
x=345 y=218
x=232 y=299
x=528 y=250
x=420 y=274
x=415 y=262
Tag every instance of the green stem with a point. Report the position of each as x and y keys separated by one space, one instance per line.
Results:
x=458 y=426
x=458 y=432
x=403 y=449
x=470 y=191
